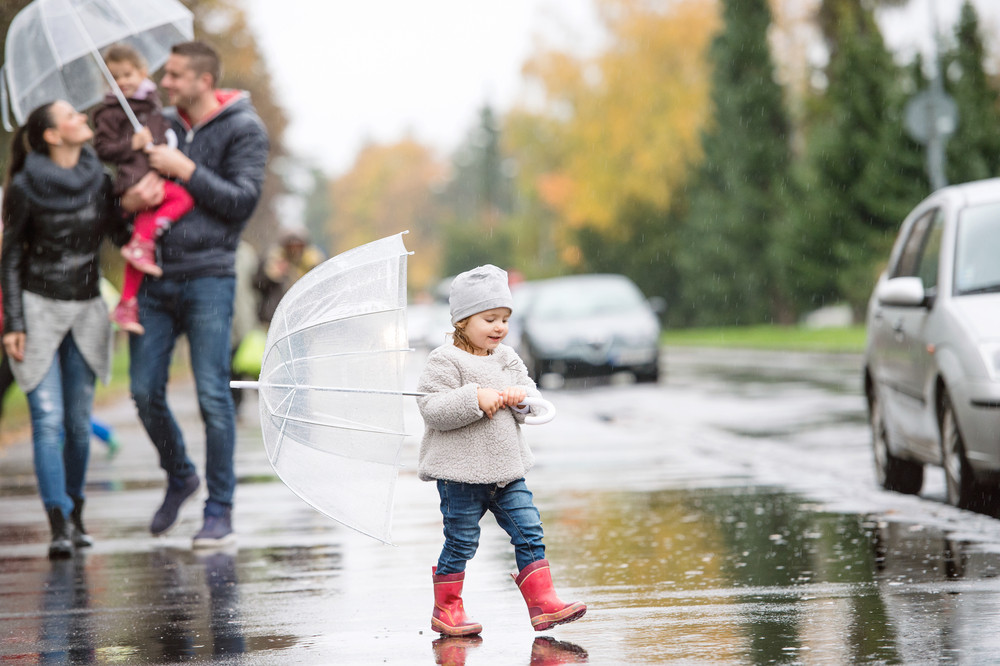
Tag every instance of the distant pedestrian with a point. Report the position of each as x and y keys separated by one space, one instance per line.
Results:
x=221 y=162
x=117 y=142
x=284 y=264
x=473 y=449
x=58 y=205
x=246 y=304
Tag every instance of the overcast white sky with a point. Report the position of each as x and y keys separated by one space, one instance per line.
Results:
x=349 y=71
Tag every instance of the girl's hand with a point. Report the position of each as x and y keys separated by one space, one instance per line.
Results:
x=514 y=396
x=490 y=401
x=147 y=193
x=141 y=139
x=13 y=345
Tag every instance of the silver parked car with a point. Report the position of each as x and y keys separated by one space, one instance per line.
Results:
x=584 y=325
x=932 y=362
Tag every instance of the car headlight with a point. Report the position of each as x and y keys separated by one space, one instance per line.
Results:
x=990 y=351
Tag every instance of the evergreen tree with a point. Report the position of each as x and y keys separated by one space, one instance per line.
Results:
x=479 y=201
x=727 y=260
x=863 y=173
x=974 y=150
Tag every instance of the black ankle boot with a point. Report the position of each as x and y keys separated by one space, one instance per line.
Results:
x=62 y=535
x=80 y=537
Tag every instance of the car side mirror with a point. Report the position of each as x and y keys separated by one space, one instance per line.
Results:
x=903 y=292
x=658 y=304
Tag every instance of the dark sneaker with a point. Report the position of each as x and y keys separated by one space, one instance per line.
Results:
x=217 y=530
x=179 y=490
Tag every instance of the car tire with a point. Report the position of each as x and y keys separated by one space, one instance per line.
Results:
x=893 y=473
x=963 y=490
x=647 y=375
x=536 y=367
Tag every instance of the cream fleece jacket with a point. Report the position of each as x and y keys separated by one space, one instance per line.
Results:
x=460 y=443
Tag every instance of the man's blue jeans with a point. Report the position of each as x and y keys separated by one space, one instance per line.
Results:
x=60 y=427
x=202 y=309
x=464 y=504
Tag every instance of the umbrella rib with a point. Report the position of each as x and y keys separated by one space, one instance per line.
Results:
x=51 y=41
x=273 y=410
x=288 y=333
x=378 y=431
x=123 y=17
x=292 y=363
x=343 y=389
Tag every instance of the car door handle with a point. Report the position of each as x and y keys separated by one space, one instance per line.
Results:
x=897 y=326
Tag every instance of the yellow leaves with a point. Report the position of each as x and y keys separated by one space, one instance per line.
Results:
x=388 y=190
x=630 y=118
x=555 y=189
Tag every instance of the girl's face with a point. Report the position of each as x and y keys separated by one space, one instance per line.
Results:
x=127 y=76
x=69 y=126
x=487 y=329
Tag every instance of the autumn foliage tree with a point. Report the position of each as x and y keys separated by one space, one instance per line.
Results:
x=622 y=127
x=389 y=189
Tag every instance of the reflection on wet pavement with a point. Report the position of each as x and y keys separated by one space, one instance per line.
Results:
x=761 y=576
x=695 y=518
x=751 y=575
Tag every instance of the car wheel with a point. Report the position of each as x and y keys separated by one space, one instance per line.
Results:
x=536 y=367
x=647 y=374
x=893 y=473
x=963 y=490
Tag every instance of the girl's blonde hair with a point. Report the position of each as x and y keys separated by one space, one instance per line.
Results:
x=461 y=340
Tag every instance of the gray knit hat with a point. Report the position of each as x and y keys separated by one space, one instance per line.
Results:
x=483 y=288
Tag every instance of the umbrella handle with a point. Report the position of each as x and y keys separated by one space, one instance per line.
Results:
x=548 y=411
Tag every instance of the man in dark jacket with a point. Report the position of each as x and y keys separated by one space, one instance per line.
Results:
x=221 y=161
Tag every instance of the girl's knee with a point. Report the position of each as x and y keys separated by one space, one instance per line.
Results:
x=460 y=549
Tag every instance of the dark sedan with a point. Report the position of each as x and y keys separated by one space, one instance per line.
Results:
x=586 y=325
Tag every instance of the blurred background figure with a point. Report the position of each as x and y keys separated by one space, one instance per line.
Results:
x=248 y=336
x=284 y=264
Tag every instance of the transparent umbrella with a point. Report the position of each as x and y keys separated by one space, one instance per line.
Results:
x=331 y=385
x=53 y=49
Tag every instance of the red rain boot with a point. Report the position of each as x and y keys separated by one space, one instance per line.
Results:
x=544 y=607
x=449 y=613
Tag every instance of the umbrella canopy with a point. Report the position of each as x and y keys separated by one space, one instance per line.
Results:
x=53 y=48
x=331 y=385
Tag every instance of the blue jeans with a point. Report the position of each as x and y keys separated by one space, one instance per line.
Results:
x=202 y=309
x=60 y=427
x=464 y=504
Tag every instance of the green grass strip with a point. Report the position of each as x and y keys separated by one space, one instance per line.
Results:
x=788 y=338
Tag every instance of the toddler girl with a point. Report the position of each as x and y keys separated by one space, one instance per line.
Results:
x=473 y=449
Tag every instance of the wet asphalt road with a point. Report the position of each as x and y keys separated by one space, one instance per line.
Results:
x=727 y=515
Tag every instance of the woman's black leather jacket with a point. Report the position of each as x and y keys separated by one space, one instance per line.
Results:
x=52 y=234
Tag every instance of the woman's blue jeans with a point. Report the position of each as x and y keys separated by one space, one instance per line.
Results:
x=60 y=427
x=464 y=504
x=202 y=309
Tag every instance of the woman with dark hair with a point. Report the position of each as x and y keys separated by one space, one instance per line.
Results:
x=58 y=205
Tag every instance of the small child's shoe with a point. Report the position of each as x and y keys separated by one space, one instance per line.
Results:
x=141 y=253
x=126 y=315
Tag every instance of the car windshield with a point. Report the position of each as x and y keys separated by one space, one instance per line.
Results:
x=977 y=251
x=584 y=298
